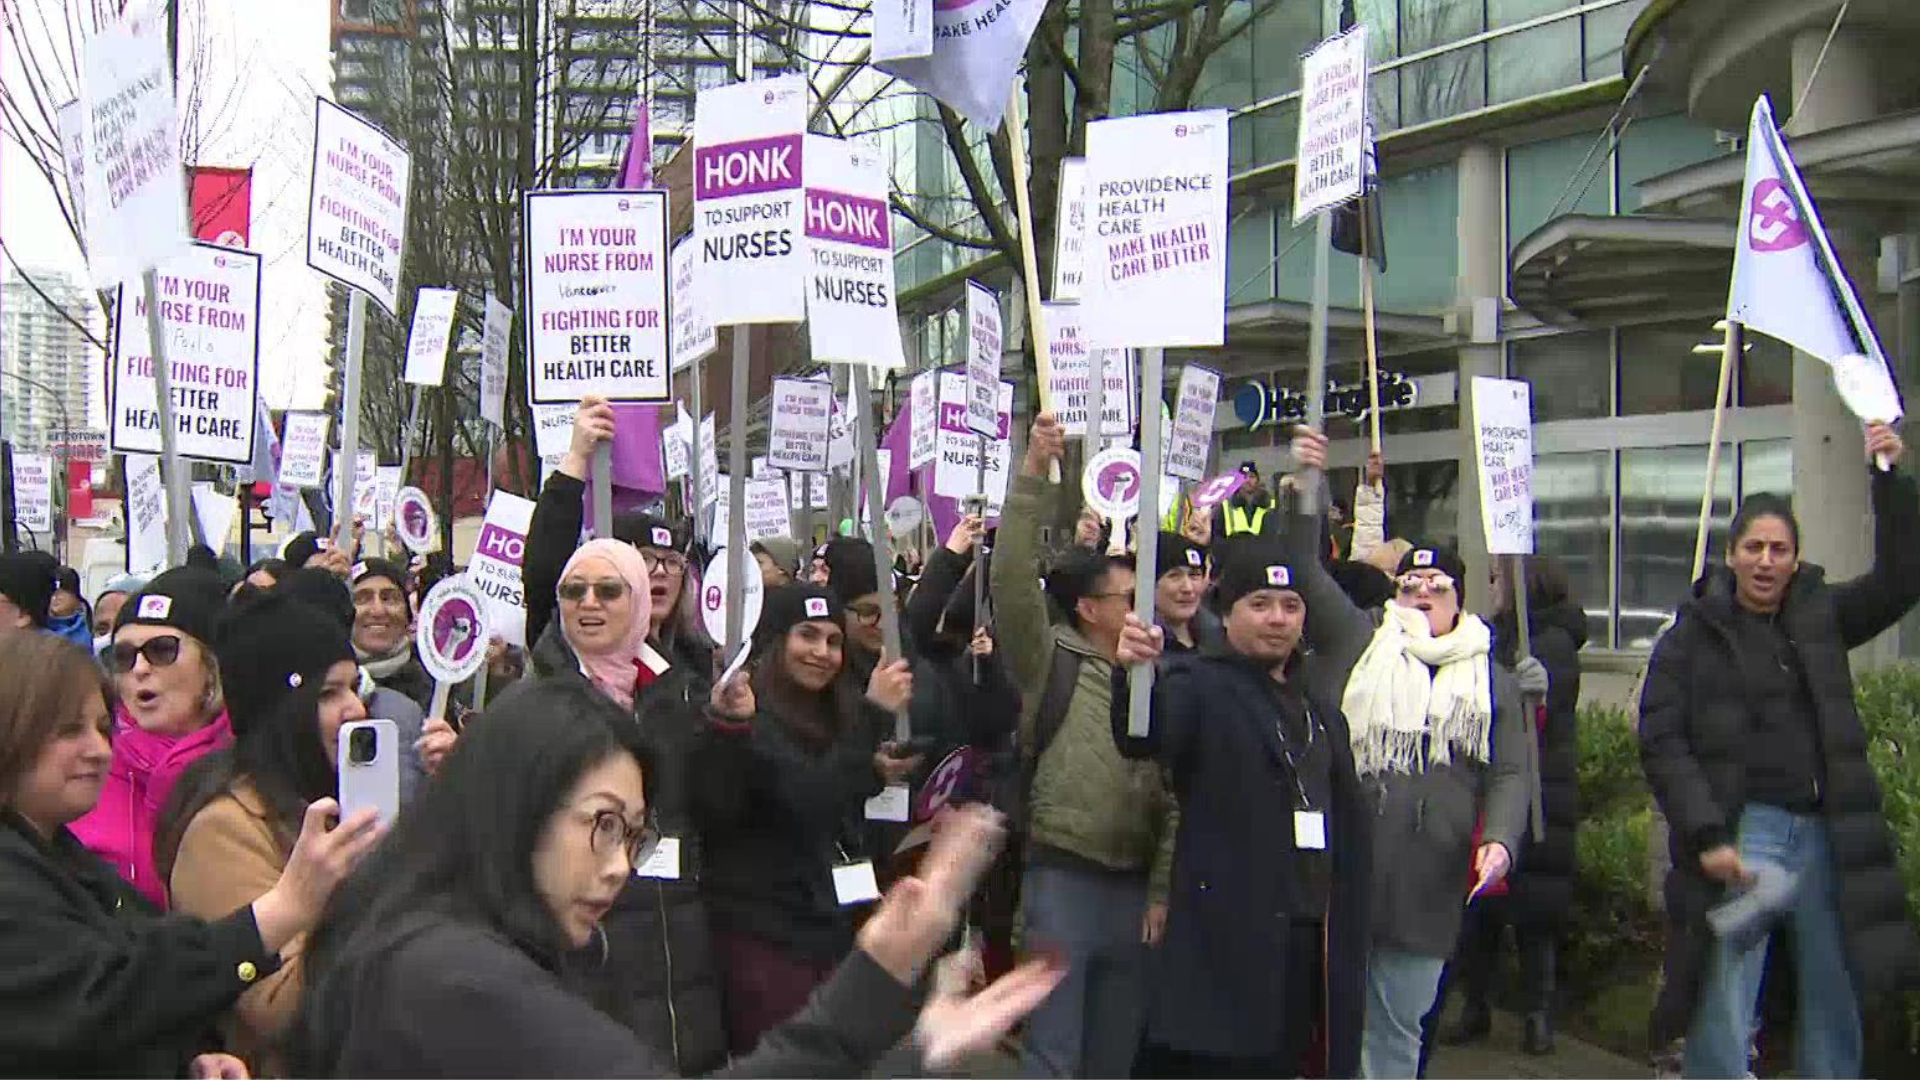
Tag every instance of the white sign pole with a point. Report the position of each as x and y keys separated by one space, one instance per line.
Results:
x=1147 y=555
x=737 y=483
x=343 y=467
x=181 y=522
x=882 y=546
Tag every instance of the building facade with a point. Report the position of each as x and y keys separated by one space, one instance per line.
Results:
x=51 y=391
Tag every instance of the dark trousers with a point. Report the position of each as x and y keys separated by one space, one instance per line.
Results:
x=1477 y=956
x=765 y=985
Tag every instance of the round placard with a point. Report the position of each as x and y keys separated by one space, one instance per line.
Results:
x=1111 y=483
x=713 y=598
x=414 y=519
x=1213 y=491
x=452 y=631
x=904 y=516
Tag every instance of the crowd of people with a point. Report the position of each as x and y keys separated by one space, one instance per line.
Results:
x=1346 y=789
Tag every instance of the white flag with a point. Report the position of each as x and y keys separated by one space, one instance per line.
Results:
x=977 y=48
x=1788 y=284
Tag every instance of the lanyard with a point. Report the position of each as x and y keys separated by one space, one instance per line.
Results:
x=1286 y=751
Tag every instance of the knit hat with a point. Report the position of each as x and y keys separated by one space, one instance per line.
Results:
x=1436 y=557
x=792 y=604
x=185 y=598
x=1250 y=567
x=1176 y=552
x=642 y=529
x=26 y=578
x=379 y=568
x=321 y=589
x=270 y=648
x=850 y=568
x=302 y=547
x=783 y=550
x=122 y=583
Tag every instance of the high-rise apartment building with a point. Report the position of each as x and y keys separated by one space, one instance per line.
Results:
x=51 y=370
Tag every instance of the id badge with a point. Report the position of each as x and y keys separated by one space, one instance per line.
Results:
x=1310 y=830
x=854 y=883
x=891 y=804
x=664 y=863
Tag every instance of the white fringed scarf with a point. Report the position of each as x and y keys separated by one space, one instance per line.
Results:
x=1410 y=687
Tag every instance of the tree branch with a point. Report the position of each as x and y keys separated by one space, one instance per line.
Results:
x=48 y=300
x=976 y=182
x=936 y=230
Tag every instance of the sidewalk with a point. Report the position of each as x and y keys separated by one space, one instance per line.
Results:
x=1499 y=1055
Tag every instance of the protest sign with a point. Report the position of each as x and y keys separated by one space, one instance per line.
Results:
x=495 y=566
x=904 y=515
x=676 y=444
x=493 y=362
x=959 y=452
x=386 y=479
x=747 y=175
x=1330 y=155
x=720 y=527
x=303 y=449
x=1503 y=459
x=850 y=296
x=357 y=213
x=33 y=492
x=797 y=432
x=977 y=48
x=415 y=520
x=693 y=334
x=553 y=431
x=210 y=310
x=1216 y=490
x=1070 y=233
x=215 y=511
x=713 y=597
x=758 y=468
x=1192 y=434
x=136 y=209
x=1071 y=375
x=432 y=331
x=902 y=29
x=840 y=434
x=71 y=119
x=923 y=403
x=1157 y=230
x=596 y=302
x=366 y=490
x=451 y=631
x=766 y=513
x=1110 y=484
x=709 y=464
x=983 y=359
x=146 y=515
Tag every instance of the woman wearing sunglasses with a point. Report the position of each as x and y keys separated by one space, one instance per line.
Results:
x=1440 y=739
x=171 y=712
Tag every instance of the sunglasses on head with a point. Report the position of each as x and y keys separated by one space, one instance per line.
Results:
x=162 y=651
x=1435 y=584
x=606 y=591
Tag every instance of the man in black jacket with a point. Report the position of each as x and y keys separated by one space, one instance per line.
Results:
x=1274 y=842
x=1756 y=755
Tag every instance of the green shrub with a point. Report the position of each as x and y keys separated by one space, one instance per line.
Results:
x=1613 y=928
x=1889 y=703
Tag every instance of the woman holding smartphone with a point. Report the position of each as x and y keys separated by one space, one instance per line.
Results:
x=235 y=816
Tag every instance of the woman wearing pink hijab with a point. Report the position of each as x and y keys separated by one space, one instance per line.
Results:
x=654 y=970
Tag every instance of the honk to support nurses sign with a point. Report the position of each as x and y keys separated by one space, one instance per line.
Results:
x=210 y=312
x=747 y=185
x=850 y=303
x=596 y=307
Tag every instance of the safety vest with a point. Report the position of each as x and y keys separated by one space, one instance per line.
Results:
x=1239 y=522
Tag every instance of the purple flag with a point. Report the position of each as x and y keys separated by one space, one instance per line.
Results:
x=636 y=166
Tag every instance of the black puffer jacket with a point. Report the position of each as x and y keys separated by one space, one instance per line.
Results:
x=1695 y=715
x=658 y=975
x=1541 y=890
x=948 y=706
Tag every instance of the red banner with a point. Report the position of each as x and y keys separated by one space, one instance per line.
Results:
x=222 y=205
x=79 y=490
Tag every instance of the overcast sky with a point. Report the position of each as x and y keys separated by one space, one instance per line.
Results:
x=265 y=61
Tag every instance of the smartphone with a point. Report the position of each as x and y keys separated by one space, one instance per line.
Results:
x=369 y=767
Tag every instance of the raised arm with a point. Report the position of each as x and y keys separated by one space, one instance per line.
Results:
x=1019 y=605
x=1369 y=510
x=1336 y=629
x=1877 y=599
x=554 y=532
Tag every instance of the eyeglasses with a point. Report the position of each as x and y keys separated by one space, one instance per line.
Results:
x=1127 y=596
x=1435 y=584
x=866 y=613
x=671 y=561
x=605 y=591
x=162 y=651
x=610 y=832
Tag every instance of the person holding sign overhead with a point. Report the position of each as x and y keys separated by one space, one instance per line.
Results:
x=1439 y=738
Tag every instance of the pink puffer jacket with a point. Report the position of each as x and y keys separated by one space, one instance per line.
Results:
x=146 y=765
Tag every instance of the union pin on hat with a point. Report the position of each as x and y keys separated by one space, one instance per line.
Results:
x=155 y=607
x=1280 y=577
x=1423 y=557
x=1193 y=557
x=816 y=607
x=662 y=537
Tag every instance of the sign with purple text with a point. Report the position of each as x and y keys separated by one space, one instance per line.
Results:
x=1192 y=434
x=135 y=210
x=495 y=566
x=958 y=458
x=797 y=433
x=850 y=303
x=1071 y=382
x=1156 y=269
x=497 y=325
x=210 y=311
x=693 y=336
x=596 y=302
x=357 y=212
x=451 y=631
x=983 y=359
x=1503 y=458
x=923 y=419
x=747 y=175
x=1330 y=156
x=303 y=450
x=1070 y=233
x=432 y=331
x=1215 y=490
x=977 y=49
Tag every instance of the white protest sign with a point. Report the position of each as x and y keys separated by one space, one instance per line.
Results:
x=902 y=29
x=759 y=468
x=1192 y=434
x=146 y=513
x=493 y=362
x=303 y=449
x=553 y=430
x=850 y=297
x=71 y=119
x=415 y=520
x=366 y=485
x=713 y=597
x=709 y=464
x=676 y=444
x=883 y=465
x=1070 y=233
x=596 y=307
x=797 y=432
x=33 y=492
x=1329 y=157
x=451 y=631
x=1503 y=457
x=977 y=49
x=1157 y=230
x=766 y=513
x=210 y=310
x=923 y=404
x=357 y=219
x=136 y=206
x=747 y=176
x=1072 y=378
x=693 y=334
x=959 y=455
x=840 y=434
x=215 y=511
x=721 y=526
x=904 y=515
x=983 y=359
x=1111 y=484
x=432 y=331
x=386 y=481
x=495 y=566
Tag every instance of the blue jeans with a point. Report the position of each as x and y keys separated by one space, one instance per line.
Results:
x=1400 y=989
x=1092 y=1022
x=1827 y=1039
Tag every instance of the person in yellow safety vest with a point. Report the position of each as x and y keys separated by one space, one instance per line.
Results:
x=1247 y=511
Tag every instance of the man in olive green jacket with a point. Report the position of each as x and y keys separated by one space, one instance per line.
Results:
x=1100 y=828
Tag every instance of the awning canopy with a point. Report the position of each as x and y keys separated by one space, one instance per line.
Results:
x=1603 y=270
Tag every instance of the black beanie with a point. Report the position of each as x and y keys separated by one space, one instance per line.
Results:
x=792 y=604
x=850 y=570
x=1435 y=557
x=1176 y=552
x=379 y=568
x=648 y=530
x=301 y=548
x=321 y=589
x=271 y=647
x=27 y=579
x=1250 y=567
x=185 y=598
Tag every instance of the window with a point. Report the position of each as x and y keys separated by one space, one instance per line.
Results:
x=1536 y=61
x=1423 y=501
x=1659 y=372
x=1766 y=465
x=1659 y=516
x=1573 y=525
x=1545 y=180
x=1571 y=374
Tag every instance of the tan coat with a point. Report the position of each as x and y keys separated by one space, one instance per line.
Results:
x=229 y=857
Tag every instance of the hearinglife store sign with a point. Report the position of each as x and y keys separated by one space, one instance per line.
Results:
x=1259 y=404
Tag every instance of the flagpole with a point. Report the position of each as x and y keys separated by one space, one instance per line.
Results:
x=182 y=523
x=1728 y=351
x=1373 y=347
x=1029 y=262
x=350 y=418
